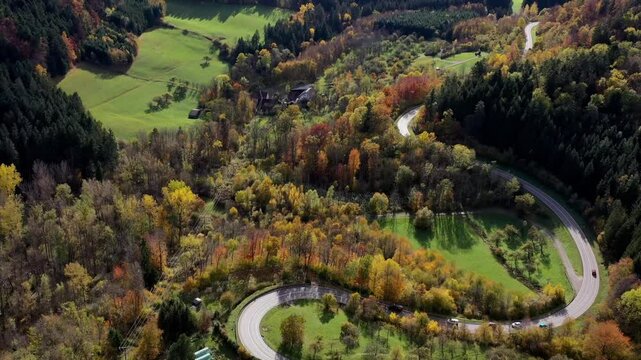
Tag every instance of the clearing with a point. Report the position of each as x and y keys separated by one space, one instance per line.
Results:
x=328 y=328
x=120 y=99
x=460 y=63
x=455 y=238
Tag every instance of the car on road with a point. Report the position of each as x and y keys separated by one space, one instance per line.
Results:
x=517 y=325
x=593 y=273
x=543 y=324
x=395 y=308
x=453 y=321
x=492 y=324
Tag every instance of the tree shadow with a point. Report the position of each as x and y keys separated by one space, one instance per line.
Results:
x=292 y=353
x=326 y=316
x=191 y=9
x=451 y=232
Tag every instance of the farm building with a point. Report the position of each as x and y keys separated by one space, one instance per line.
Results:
x=195 y=113
x=301 y=95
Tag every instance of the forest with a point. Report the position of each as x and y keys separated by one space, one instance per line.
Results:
x=105 y=245
x=426 y=23
x=55 y=36
x=529 y=110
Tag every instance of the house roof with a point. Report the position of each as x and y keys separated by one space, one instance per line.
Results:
x=304 y=87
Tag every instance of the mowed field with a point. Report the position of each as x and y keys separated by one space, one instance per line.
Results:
x=460 y=63
x=372 y=337
x=119 y=100
x=454 y=237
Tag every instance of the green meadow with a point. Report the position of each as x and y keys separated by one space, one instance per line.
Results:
x=328 y=328
x=455 y=238
x=460 y=63
x=120 y=99
x=228 y=22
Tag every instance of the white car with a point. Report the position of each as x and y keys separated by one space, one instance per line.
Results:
x=517 y=325
x=453 y=321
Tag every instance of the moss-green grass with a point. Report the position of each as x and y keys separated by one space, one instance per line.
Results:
x=329 y=328
x=516 y=6
x=460 y=63
x=551 y=270
x=228 y=22
x=119 y=100
x=457 y=241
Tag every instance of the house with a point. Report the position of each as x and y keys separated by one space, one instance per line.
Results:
x=301 y=95
x=195 y=113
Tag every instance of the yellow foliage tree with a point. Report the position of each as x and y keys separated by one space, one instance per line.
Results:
x=150 y=346
x=9 y=179
x=180 y=203
x=387 y=281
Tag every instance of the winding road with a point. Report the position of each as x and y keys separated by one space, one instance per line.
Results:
x=529 y=38
x=248 y=328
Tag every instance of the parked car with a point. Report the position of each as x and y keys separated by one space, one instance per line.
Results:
x=517 y=325
x=543 y=324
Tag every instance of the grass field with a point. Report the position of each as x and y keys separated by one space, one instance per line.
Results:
x=551 y=269
x=329 y=328
x=119 y=100
x=456 y=240
x=459 y=63
x=516 y=6
x=228 y=22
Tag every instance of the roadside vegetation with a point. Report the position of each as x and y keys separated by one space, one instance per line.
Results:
x=335 y=333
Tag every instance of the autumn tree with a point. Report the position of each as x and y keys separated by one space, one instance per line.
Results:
x=292 y=331
x=11 y=205
x=378 y=204
x=316 y=347
x=353 y=165
x=78 y=280
x=424 y=218
x=349 y=335
x=330 y=304
x=353 y=306
x=606 y=341
x=628 y=313
x=150 y=345
x=525 y=203
x=9 y=179
x=387 y=281
x=180 y=203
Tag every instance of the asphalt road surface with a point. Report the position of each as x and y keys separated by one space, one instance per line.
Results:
x=403 y=122
x=529 y=39
x=248 y=328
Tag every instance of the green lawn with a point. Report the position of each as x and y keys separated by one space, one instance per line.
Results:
x=516 y=6
x=551 y=269
x=329 y=328
x=228 y=22
x=454 y=237
x=120 y=100
x=459 y=63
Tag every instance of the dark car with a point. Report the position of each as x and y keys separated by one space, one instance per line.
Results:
x=395 y=308
x=593 y=273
